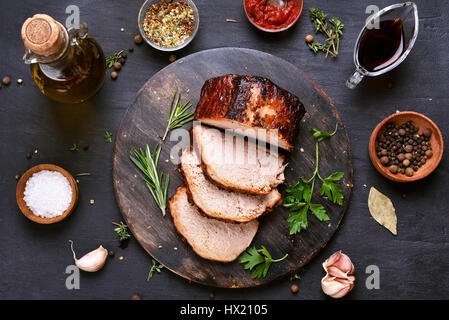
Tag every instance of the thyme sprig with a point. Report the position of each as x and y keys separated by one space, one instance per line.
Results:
x=122 y=230
x=113 y=58
x=178 y=115
x=333 y=33
x=147 y=162
x=156 y=267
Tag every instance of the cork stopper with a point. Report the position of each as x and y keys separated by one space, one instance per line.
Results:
x=42 y=35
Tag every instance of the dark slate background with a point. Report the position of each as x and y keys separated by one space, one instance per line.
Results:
x=33 y=257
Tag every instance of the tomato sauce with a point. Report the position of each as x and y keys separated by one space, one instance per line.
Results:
x=269 y=16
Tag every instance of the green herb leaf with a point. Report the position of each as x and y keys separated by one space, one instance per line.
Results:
x=156 y=267
x=333 y=33
x=298 y=220
x=259 y=258
x=321 y=135
x=74 y=147
x=147 y=162
x=178 y=115
x=108 y=136
x=319 y=212
x=113 y=58
x=295 y=276
x=331 y=189
x=122 y=230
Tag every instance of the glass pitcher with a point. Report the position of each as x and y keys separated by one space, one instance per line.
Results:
x=407 y=13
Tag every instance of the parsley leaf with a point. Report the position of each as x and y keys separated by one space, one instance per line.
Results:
x=261 y=258
x=298 y=197
x=331 y=189
x=321 y=135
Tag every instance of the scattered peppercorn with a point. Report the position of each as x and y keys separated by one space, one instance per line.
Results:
x=309 y=38
x=138 y=39
x=172 y=58
x=6 y=81
x=117 y=66
x=211 y=295
x=404 y=196
x=111 y=253
x=136 y=297
x=28 y=155
x=114 y=75
x=404 y=148
x=17 y=176
x=86 y=146
x=124 y=55
x=130 y=49
x=122 y=61
x=390 y=85
x=294 y=288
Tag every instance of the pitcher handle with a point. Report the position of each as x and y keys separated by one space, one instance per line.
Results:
x=355 y=79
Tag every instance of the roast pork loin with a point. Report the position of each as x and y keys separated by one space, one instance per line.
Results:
x=238 y=164
x=210 y=238
x=220 y=203
x=252 y=104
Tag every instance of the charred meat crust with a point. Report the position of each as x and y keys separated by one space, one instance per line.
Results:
x=244 y=99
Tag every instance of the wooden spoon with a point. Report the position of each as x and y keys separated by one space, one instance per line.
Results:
x=21 y=189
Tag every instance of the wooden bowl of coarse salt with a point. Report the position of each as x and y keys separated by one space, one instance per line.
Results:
x=47 y=194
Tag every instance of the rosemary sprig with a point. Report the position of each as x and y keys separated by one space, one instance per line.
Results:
x=113 y=58
x=147 y=162
x=333 y=33
x=178 y=115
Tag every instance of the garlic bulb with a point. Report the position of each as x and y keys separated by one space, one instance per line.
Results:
x=339 y=278
x=92 y=261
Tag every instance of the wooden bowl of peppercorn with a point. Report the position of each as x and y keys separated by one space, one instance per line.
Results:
x=406 y=146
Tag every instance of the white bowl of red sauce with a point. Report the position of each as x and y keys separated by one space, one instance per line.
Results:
x=271 y=18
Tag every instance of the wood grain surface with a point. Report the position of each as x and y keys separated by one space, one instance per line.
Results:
x=145 y=122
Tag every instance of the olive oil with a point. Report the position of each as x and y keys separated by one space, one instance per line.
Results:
x=67 y=65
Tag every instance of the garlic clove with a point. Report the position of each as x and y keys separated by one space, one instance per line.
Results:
x=340 y=261
x=339 y=279
x=92 y=261
x=336 y=287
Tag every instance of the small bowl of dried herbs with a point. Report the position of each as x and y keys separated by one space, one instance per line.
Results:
x=168 y=25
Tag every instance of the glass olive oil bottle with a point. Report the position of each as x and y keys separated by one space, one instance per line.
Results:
x=67 y=65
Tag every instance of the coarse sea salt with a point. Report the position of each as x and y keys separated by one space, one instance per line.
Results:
x=48 y=193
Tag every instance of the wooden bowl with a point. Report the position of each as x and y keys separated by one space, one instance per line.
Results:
x=21 y=189
x=422 y=122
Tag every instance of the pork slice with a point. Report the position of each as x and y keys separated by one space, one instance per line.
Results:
x=221 y=203
x=210 y=238
x=237 y=164
x=251 y=102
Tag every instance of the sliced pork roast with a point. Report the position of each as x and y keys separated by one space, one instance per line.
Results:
x=238 y=164
x=252 y=104
x=220 y=203
x=210 y=238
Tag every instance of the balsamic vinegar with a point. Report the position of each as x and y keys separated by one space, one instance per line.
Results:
x=381 y=47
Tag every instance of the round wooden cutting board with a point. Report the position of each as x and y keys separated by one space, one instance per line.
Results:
x=145 y=122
